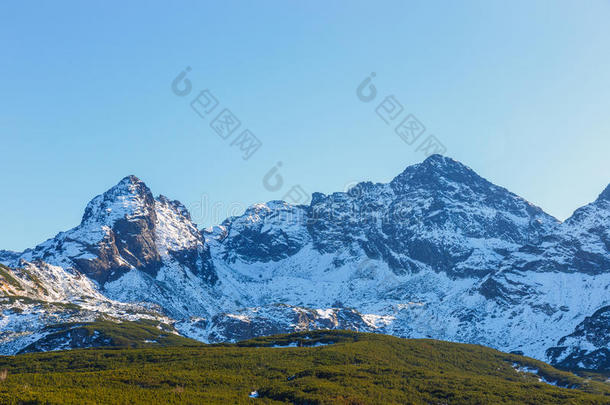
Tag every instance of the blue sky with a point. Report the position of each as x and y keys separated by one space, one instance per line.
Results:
x=518 y=90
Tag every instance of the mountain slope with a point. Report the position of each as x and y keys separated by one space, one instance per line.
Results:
x=438 y=252
x=37 y=299
x=126 y=234
x=123 y=334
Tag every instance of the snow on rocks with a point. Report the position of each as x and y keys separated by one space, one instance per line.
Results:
x=438 y=252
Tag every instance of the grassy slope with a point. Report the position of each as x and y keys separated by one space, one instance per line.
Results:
x=356 y=369
x=143 y=333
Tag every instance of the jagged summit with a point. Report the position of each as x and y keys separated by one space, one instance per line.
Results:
x=126 y=229
x=447 y=181
x=128 y=198
x=437 y=163
x=441 y=160
x=440 y=173
x=128 y=185
x=132 y=179
x=438 y=252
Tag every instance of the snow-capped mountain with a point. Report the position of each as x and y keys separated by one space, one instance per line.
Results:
x=127 y=243
x=37 y=295
x=438 y=252
x=127 y=228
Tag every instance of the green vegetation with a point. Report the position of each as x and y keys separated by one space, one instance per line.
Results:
x=143 y=333
x=17 y=299
x=6 y=277
x=38 y=283
x=24 y=300
x=137 y=334
x=340 y=368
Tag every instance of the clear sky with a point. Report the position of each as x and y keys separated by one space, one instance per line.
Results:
x=517 y=90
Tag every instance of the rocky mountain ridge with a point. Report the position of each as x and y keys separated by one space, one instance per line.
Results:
x=438 y=252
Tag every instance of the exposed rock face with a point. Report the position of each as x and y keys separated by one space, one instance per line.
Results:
x=127 y=211
x=8 y=255
x=127 y=236
x=580 y=244
x=115 y=235
x=127 y=228
x=437 y=214
x=438 y=252
x=588 y=347
x=275 y=319
x=178 y=241
x=36 y=296
x=265 y=232
x=41 y=281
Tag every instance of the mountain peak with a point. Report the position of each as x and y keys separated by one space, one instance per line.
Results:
x=131 y=179
x=129 y=197
x=444 y=164
x=129 y=185
x=435 y=171
x=438 y=159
